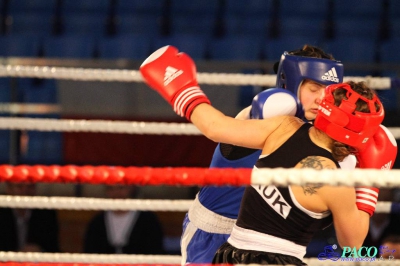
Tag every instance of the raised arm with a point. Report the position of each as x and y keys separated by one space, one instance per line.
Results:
x=246 y=133
x=173 y=75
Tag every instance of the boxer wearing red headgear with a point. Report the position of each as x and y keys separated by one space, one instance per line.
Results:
x=344 y=123
x=286 y=217
x=300 y=84
x=374 y=145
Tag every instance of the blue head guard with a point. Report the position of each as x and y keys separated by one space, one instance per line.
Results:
x=293 y=69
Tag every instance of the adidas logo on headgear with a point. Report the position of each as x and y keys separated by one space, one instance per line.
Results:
x=170 y=74
x=331 y=75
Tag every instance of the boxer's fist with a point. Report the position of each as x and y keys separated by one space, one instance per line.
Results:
x=273 y=102
x=173 y=75
x=381 y=151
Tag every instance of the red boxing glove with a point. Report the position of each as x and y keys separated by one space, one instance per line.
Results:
x=173 y=75
x=380 y=153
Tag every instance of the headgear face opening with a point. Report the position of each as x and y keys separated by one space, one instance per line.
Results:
x=293 y=69
x=343 y=123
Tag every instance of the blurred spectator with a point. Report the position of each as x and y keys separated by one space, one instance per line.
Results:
x=126 y=232
x=28 y=230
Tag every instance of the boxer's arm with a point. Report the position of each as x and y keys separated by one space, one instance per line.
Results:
x=268 y=103
x=351 y=224
x=173 y=75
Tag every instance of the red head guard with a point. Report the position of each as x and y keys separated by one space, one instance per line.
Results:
x=343 y=123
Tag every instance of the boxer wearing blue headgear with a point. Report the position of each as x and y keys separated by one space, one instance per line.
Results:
x=274 y=225
x=321 y=70
x=299 y=68
x=210 y=219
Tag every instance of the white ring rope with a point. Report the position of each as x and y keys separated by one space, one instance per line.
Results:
x=27 y=108
x=88 y=204
x=108 y=126
x=97 y=204
x=334 y=177
x=147 y=259
x=377 y=83
x=93 y=74
x=88 y=258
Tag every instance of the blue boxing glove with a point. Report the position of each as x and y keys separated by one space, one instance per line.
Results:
x=268 y=103
x=273 y=102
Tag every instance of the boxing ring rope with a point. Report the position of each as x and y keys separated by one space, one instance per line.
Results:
x=104 y=126
x=26 y=108
x=88 y=258
x=189 y=176
x=154 y=176
x=93 y=74
x=177 y=176
x=108 y=126
x=104 y=259
x=77 y=264
x=97 y=204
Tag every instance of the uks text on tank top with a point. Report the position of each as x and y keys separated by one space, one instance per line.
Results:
x=274 y=210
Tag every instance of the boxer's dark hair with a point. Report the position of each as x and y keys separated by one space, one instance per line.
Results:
x=307 y=51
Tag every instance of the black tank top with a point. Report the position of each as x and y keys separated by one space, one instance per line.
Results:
x=271 y=210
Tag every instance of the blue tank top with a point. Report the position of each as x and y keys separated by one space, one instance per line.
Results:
x=225 y=200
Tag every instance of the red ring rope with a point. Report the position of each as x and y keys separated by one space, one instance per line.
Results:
x=125 y=175
x=95 y=264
